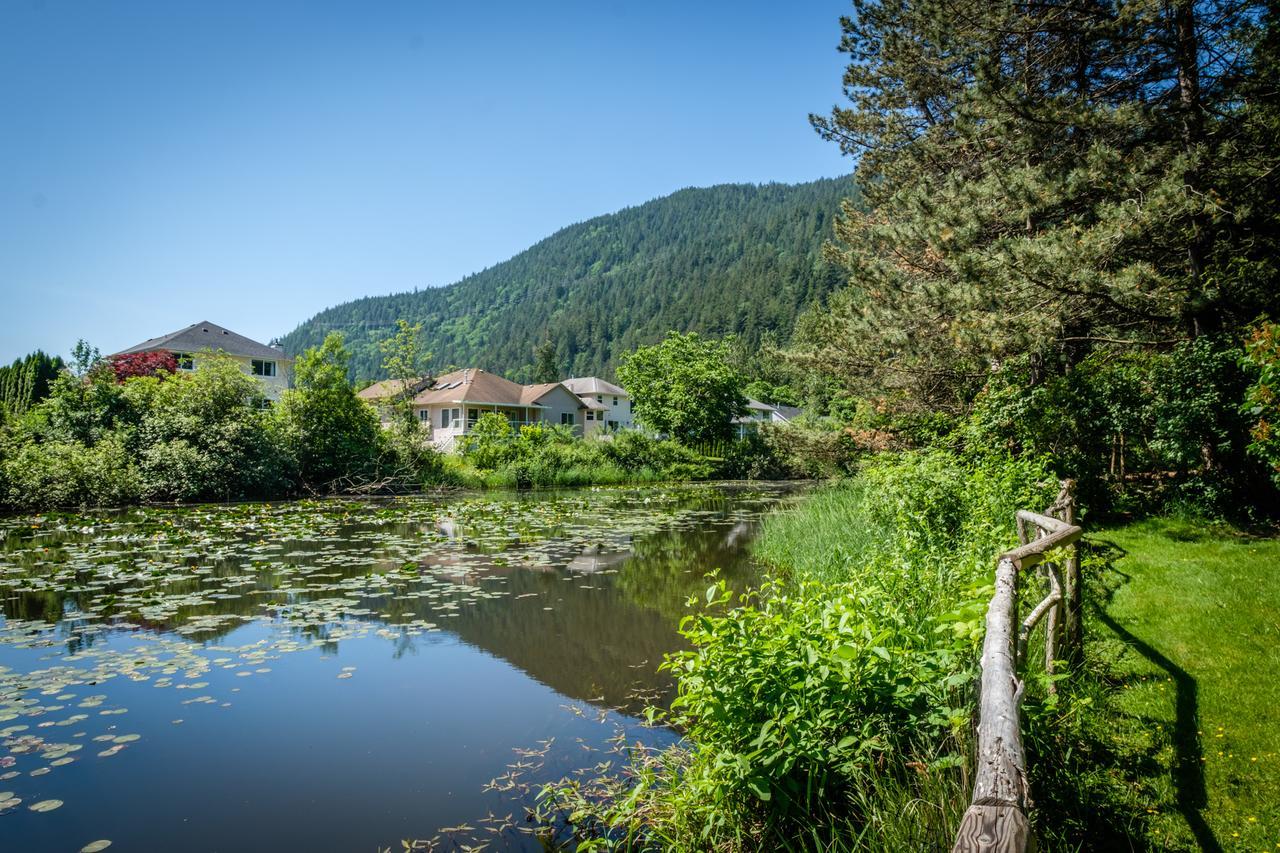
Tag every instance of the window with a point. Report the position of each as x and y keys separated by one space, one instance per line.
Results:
x=567 y=419
x=613 y=425
x=615 y=401
x=424 y=415
x=599 y=398
x=444 y=419
x=591 y=416
x=186 y=361
x=263 y=368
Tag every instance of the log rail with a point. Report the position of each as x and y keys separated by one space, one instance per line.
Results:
x=997 y=818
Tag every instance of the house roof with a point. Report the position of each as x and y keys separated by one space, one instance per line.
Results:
x=593 y=385
x=789 y=413
x=473 y=385
x=389 y=388
x=593 y=403
x=208 y=336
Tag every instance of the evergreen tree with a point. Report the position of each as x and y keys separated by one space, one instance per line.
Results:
x=1042 y=178
x=544 y=363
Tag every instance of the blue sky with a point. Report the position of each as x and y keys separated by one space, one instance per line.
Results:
x=252 y=163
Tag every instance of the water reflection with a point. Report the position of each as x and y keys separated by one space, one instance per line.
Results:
x=453 y=609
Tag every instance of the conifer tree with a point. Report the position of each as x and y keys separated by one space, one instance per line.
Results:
x=1041 y=178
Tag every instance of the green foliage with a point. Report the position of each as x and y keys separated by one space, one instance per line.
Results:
x=68 y=473
x=924 y=525
x=1262 y=402
x=1137 y=430
x=26 y=382
x=808 y=694
x=540 y=456
x=404 y=361
x=333 y=434
x=1045 y=194
x=685 y=387
x=207 y=436
x=732 y=259
x=822 y=710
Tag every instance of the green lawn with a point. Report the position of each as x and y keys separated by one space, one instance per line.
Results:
x=1191 y=635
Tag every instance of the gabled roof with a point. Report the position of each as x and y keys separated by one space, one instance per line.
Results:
x=533 y=393
x=584 y=385
x=208 y=336
x=789 y=413
x=473 y=385
x=390 y=388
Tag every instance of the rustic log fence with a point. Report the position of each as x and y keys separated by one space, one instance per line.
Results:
x=997 y=819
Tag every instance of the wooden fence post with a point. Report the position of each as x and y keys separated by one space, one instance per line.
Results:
x=1073 y=631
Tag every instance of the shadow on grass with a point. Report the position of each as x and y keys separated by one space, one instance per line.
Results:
x=1188 y=766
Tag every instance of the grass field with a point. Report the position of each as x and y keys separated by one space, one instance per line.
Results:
x=1191 y=635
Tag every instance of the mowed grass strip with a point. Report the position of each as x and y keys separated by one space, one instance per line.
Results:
x=1195 y=628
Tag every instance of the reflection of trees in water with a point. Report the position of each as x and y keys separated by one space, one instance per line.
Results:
x=598 y=643
x=668 y=567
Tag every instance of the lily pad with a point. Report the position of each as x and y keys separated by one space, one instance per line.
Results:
x=46 y=805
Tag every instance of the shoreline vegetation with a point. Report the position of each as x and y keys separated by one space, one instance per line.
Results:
x=97 y=438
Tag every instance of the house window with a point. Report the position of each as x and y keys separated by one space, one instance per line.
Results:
x=591 y=416
x=260 y=367
x=599 y=398
x=424 y=415
x=613 y=425
x=615 y=401
x=566 y=419
x=186 y=361
x=444 y=419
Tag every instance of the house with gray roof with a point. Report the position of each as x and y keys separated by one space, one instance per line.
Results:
x=268 y=364
x=609 y=405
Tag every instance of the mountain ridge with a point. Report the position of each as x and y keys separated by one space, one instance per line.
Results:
x=738 y=259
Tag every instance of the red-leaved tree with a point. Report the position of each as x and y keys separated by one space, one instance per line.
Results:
x=130 y=364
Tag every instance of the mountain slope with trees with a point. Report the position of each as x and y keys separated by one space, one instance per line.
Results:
x=731 y=259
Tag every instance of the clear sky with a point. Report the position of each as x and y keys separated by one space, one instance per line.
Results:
x=250 y=163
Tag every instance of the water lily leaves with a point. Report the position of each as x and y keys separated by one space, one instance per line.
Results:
x=46 y=805
x=95 y=846
x=126 y=738
x=9 y=803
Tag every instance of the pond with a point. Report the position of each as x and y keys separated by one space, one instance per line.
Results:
x=339 y=674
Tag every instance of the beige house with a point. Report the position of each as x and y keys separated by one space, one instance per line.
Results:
x=448 y=406
x=269 y=365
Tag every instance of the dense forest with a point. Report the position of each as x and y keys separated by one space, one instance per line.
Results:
x=734 y=259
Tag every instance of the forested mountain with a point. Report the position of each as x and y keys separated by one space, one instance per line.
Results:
x=736 y=258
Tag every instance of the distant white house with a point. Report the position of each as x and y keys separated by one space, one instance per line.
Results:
x=449 y=406
x=196 y=342
x=609 y=406
x=761 y=413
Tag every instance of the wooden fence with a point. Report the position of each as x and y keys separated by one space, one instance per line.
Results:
x=997 y=819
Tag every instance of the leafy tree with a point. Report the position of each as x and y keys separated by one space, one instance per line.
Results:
x=131 y=364
x=207 y=435
x=404 y=361
x=334 y=434
x=685 y=387
x=1045 y=178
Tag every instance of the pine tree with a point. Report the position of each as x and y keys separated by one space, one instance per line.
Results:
x=1044 y=177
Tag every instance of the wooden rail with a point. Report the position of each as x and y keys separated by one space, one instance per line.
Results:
x=997 y=818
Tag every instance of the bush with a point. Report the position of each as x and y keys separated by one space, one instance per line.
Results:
x=57 y=474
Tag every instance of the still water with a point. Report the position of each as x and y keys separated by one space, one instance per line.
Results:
x=339 y=675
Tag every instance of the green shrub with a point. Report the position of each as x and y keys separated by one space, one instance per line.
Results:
x=67 y=473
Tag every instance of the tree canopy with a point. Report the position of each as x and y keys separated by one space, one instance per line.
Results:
x=685 y=386
x=1043 y=178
